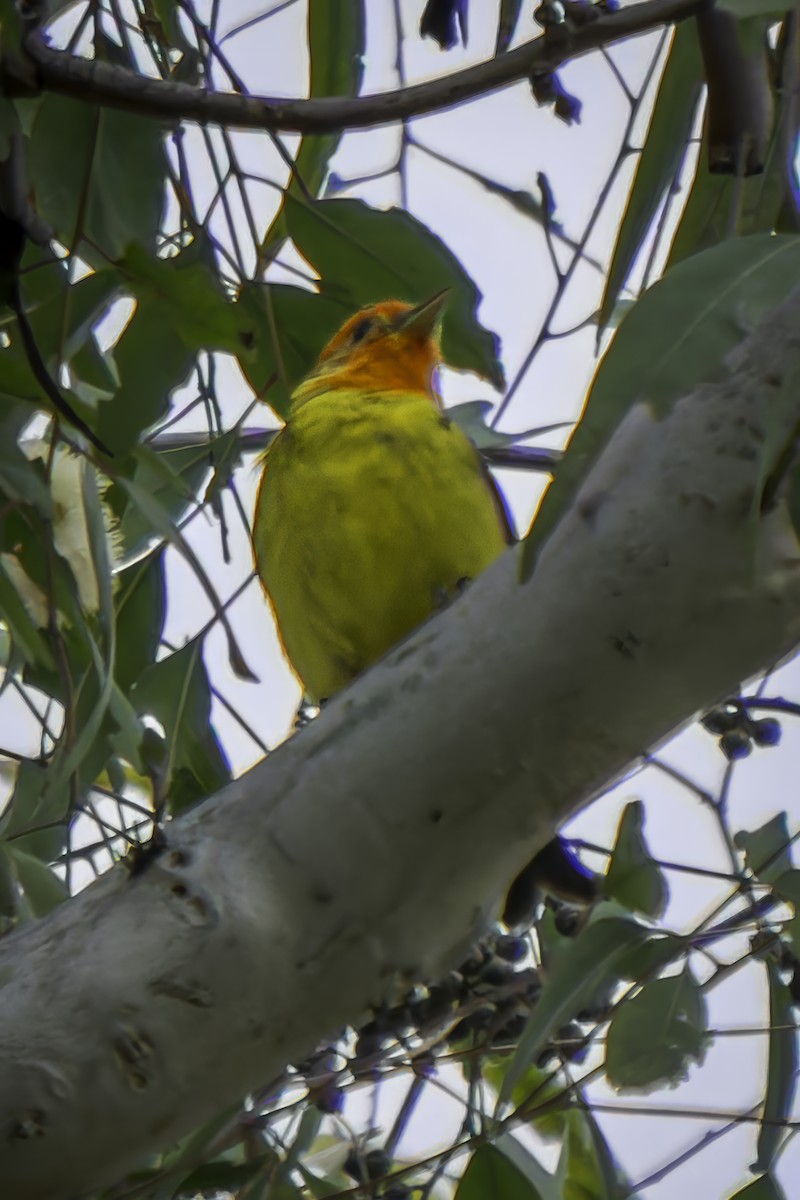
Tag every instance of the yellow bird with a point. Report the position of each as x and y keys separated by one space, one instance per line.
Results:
x=373 y=506
x=373 y=509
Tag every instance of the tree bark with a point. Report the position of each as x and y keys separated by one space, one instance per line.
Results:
x=113 y=86
x=369 y=849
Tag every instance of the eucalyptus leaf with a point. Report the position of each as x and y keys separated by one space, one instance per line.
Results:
x=365 y=255
x=43 y=889
x=742 y=9
x=140 y=603
x=665 y=144
x=98 y=176
x=491 y=1174
x=336 y=47
x=586 y=1167
x=655 y=1035
x=781 y=1069
x=27 y=637
x=189 y=299
x=36 y=816
x=291 y=326
x=767 y=850
x=632 y=877
x=763 y=1188
x=176 y=692
x=506 y=24
x=470 y=416
x=673 y=338
x=589 y=963
x=542 y=1097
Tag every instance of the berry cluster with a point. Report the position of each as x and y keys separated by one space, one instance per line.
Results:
x=738 y=732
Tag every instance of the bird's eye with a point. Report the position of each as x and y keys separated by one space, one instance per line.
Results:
x=362 y=328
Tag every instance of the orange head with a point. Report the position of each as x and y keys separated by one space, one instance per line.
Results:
x=390 y=346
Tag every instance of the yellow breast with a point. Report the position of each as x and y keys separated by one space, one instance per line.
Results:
x=372 y=509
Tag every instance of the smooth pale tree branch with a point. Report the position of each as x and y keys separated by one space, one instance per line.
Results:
x=368 y=850
x=116 y=87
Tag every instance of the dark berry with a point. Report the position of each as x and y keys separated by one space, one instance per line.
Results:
x=766 y=732
x=735 y=745
x=378 y=1164
x=513 y=1029
x=723 y=719
x=567 y=921
x=512 y=949
x=496 y=973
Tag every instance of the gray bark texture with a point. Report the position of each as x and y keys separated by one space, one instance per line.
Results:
x=369 y=849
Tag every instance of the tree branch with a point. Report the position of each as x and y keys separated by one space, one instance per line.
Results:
x=369 y=849
x=116 y=87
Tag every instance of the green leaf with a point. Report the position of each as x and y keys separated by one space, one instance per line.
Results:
x=471 y=417
x=188 y=297
x=763 y=1188
x=170 y=477
x=652 y=956
x=63 y=314
x=98 y=176
x=291 y=326
x=335 y=49
x=140 y=604
x=768 y=196
x=336 y=67
x=672 y=339
x=164 y=527
x=43 y=889
x=490 y=1176
x=365 y=255
x=17 y=381
x=742 y=9
x=180 y=311
x=706 y=219
x=122 y=748
x=586 y=1167
x=10 y=25
x=586 y=966
x=39 y=804
x=777 y=452
x=766 y=849
x=506 y=24
x=781 y=1069
x=99 y=539
x=535 y=1089
x=176 y=692
x=9 y=894
x=151 y=361
x=656 y=1034
x=21 y=480
x=721 y=206
x=95 y=374
x=520 y=1156
x=633 y=878
x=221 y=1176
x=9 y=120
x=86 y=756
x=670 y=127
x=787 y=887
x=27 y=637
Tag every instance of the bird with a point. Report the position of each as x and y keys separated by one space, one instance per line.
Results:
x=374 y=509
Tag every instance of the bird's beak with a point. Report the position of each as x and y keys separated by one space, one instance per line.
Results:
x=423 y=320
